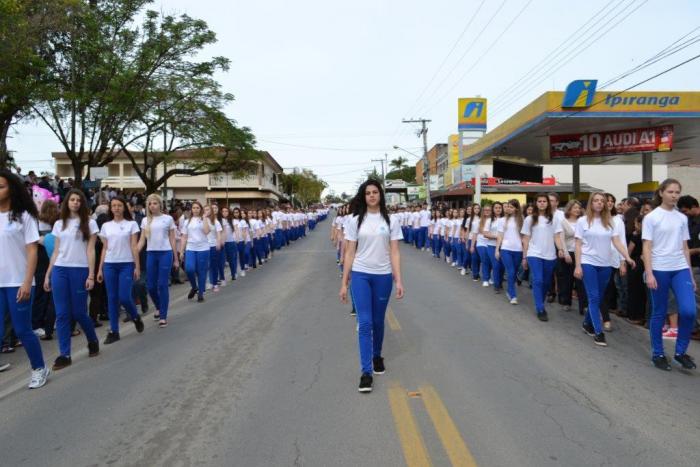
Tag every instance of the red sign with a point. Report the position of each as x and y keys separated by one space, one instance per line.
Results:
x=492 y=181
x=658 y=139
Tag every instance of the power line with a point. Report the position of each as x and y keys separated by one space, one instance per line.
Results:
x=444 y=60
x=538 y=65
x=563 y=62
x=302 y=146
x=476 y=39
x=488 y=49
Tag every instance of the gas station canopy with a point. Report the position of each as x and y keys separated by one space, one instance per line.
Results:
x=580 y=112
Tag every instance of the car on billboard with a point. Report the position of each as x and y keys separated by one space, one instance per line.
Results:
x=566 y=145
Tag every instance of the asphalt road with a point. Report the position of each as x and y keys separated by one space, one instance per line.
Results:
x=265 y=373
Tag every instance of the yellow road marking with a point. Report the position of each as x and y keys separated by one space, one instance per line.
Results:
x=414 y=451
x=446 y=429
x=393 y=322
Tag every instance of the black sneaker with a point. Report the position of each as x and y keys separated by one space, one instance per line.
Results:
x=138 y=322
x=192 y=293
x=543 y=316
x=599 y=339
x=353 y=312
x=93 y=349
x=61 y=362
x=365 y=383
x=111 y=338
x=200 y=298
x=378 y=364
x=685 y=360
x=588 y=329
x=97 y=324
x=497 y=291
x=661 y=363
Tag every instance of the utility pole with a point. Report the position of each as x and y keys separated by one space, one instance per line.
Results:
x=383 y=176
x=426 y=170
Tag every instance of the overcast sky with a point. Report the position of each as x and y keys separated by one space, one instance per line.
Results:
x=325 y=84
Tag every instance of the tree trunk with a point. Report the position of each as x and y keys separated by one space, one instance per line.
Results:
x=4 y=153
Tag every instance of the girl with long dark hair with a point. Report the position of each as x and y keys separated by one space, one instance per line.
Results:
x=119 y=265
x=372 y=259
x=214 y=239
x=492 y=241
x=665 y=238
x=464 y=236
x=240 y=232
x=71 y=274
x=540 y=246
x=159 y=237
x=18 y=250
x=566 y=266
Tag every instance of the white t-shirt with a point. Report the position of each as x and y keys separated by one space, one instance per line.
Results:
x=212 y=237
x=541 y=243
x=14 y=237
x=228 y=231
x=480 y=239
x=424 y=218
x=511 y=236
x=619 y=226
x=244 y=227
x=493 y=230
x=72 y=249
x=118 y=236
x=159 y=237
x=667 y=230
x=595 y=241
x=196 y=238
x=373 y=250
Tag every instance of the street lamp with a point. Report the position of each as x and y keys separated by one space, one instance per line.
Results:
x=426 y=171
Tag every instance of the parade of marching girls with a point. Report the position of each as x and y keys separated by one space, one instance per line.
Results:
x=584 y=253
x=59 y=250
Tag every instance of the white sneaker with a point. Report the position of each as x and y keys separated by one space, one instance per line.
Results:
x=447 y=260
x=490 y=281
x=514 y=301
x=40 y=333
x=462 y=271
x=4 y=366
x=208 y=287
x=454 y=264
x=484 y=284
x=242 y=273
x=39 y=378
x=222 y=283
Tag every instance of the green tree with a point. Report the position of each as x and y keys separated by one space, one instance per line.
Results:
x=182 y=129
x=408 y=174
x=398 y=163
x=27 y=30
x=303 y=186
x=115 y=60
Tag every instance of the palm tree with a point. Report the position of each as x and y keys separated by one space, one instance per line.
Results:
x=398 y=163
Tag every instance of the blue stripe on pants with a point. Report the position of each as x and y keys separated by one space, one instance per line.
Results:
x=541 y=271
x=70 y=299
x=371 y=293
x=21 y=316
x=196 y=266
x=119 y=278
x=595 y=280
x=158 y=266
x=682 y=285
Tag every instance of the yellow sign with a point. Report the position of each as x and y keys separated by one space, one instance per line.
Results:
x=453 y=150
x=471 y=114
x=643 y=189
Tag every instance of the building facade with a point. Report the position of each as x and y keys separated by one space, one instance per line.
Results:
x=259 y=188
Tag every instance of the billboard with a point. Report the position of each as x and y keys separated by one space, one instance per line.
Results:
x=471 y=114
x=603 y=143
x=468 y=172
x=433 y=183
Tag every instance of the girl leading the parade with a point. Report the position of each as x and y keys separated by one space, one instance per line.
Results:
x=159 y=237
x=119 y=265
x=71 y=274
x=19 y=233
x=665 y=238
x=372 y=259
